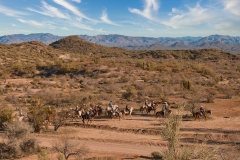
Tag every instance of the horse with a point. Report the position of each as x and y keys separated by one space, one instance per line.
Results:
x=125 y=112
x=49 y=119
x=76 y=114
x=198 y=114
x=160 y=113
x=109 y=110
x=143 y=108
x=149 y=109
x=117 y=114
x=89 y=117
x=98 y=110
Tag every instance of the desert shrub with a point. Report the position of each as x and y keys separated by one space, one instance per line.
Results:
x=129 y=94
x=186 y=84
x=5 y=116
x=7 y=151
x=171 y=133
x=22 y=68
x=37 y=116
x=17 y=130
x=70 y=149
x=206 y=71
x=29 y=146
x=238 y=69
x=43 y=155
x=156 y=155
x=19 y=141
x=123 y=79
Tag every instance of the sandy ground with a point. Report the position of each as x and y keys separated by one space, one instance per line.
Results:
x=140 y=134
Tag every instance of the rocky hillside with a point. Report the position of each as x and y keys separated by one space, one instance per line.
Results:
x=226 y=43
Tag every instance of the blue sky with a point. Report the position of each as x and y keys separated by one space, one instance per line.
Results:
x=148 y=18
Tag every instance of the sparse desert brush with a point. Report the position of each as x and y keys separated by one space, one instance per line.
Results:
x=156 y=155
x=5 y=115
x=19 y=141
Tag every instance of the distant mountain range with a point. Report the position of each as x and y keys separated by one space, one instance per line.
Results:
x=225 y=43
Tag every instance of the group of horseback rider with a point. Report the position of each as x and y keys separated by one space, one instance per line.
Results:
x=97 y=108
x=117 y=109
x=153 y=105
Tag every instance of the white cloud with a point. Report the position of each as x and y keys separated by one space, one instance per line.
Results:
x=72 y=9
x=14 y=25
x=50 y=11
x=11 y=12
x=150 y=7
x=101 y=30
x=192 y=17
x=31 y=22
x=64 y=28
x=105 y=19
x=37 y=24
x=150 y=29
x=78 y=1
x=82 y=26
x=223 y=26
x=233 y=6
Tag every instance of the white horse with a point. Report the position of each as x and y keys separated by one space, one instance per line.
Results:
x=109 y=110
x=126 y=112
x=77 y=114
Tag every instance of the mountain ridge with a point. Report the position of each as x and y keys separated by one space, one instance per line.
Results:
x=222 y=42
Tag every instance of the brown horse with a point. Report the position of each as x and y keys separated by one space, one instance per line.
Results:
x=49 y=119
x=117 y=115
x=89 y=117
x=149 y=109
x=198 y=114
x=160 y=113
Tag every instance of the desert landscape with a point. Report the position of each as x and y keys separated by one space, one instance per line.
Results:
x=39 y=79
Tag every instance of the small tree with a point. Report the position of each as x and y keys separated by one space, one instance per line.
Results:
x=70 y=149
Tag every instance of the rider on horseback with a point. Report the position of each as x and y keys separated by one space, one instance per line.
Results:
x=127 y=108
x=146 y=102
x=202 y=111
x=89 y=113
x=164 y=109
x=153 y=105
x=166 y=105
x=117 y=111
x=111 y=105
x=77 y=109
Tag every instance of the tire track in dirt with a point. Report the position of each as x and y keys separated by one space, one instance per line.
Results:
x=122 y=141
x=109 y=128
x=185 y=137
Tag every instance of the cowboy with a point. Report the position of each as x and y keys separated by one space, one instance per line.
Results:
x=146 y=102
x=111 y=105
x=153 y=105
x=127 y=108
x=164 y=109
x=89 y=113
x=202 y=111
x=77 y=109
x=166 y=105
x=20 y=113
x=117 y=111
